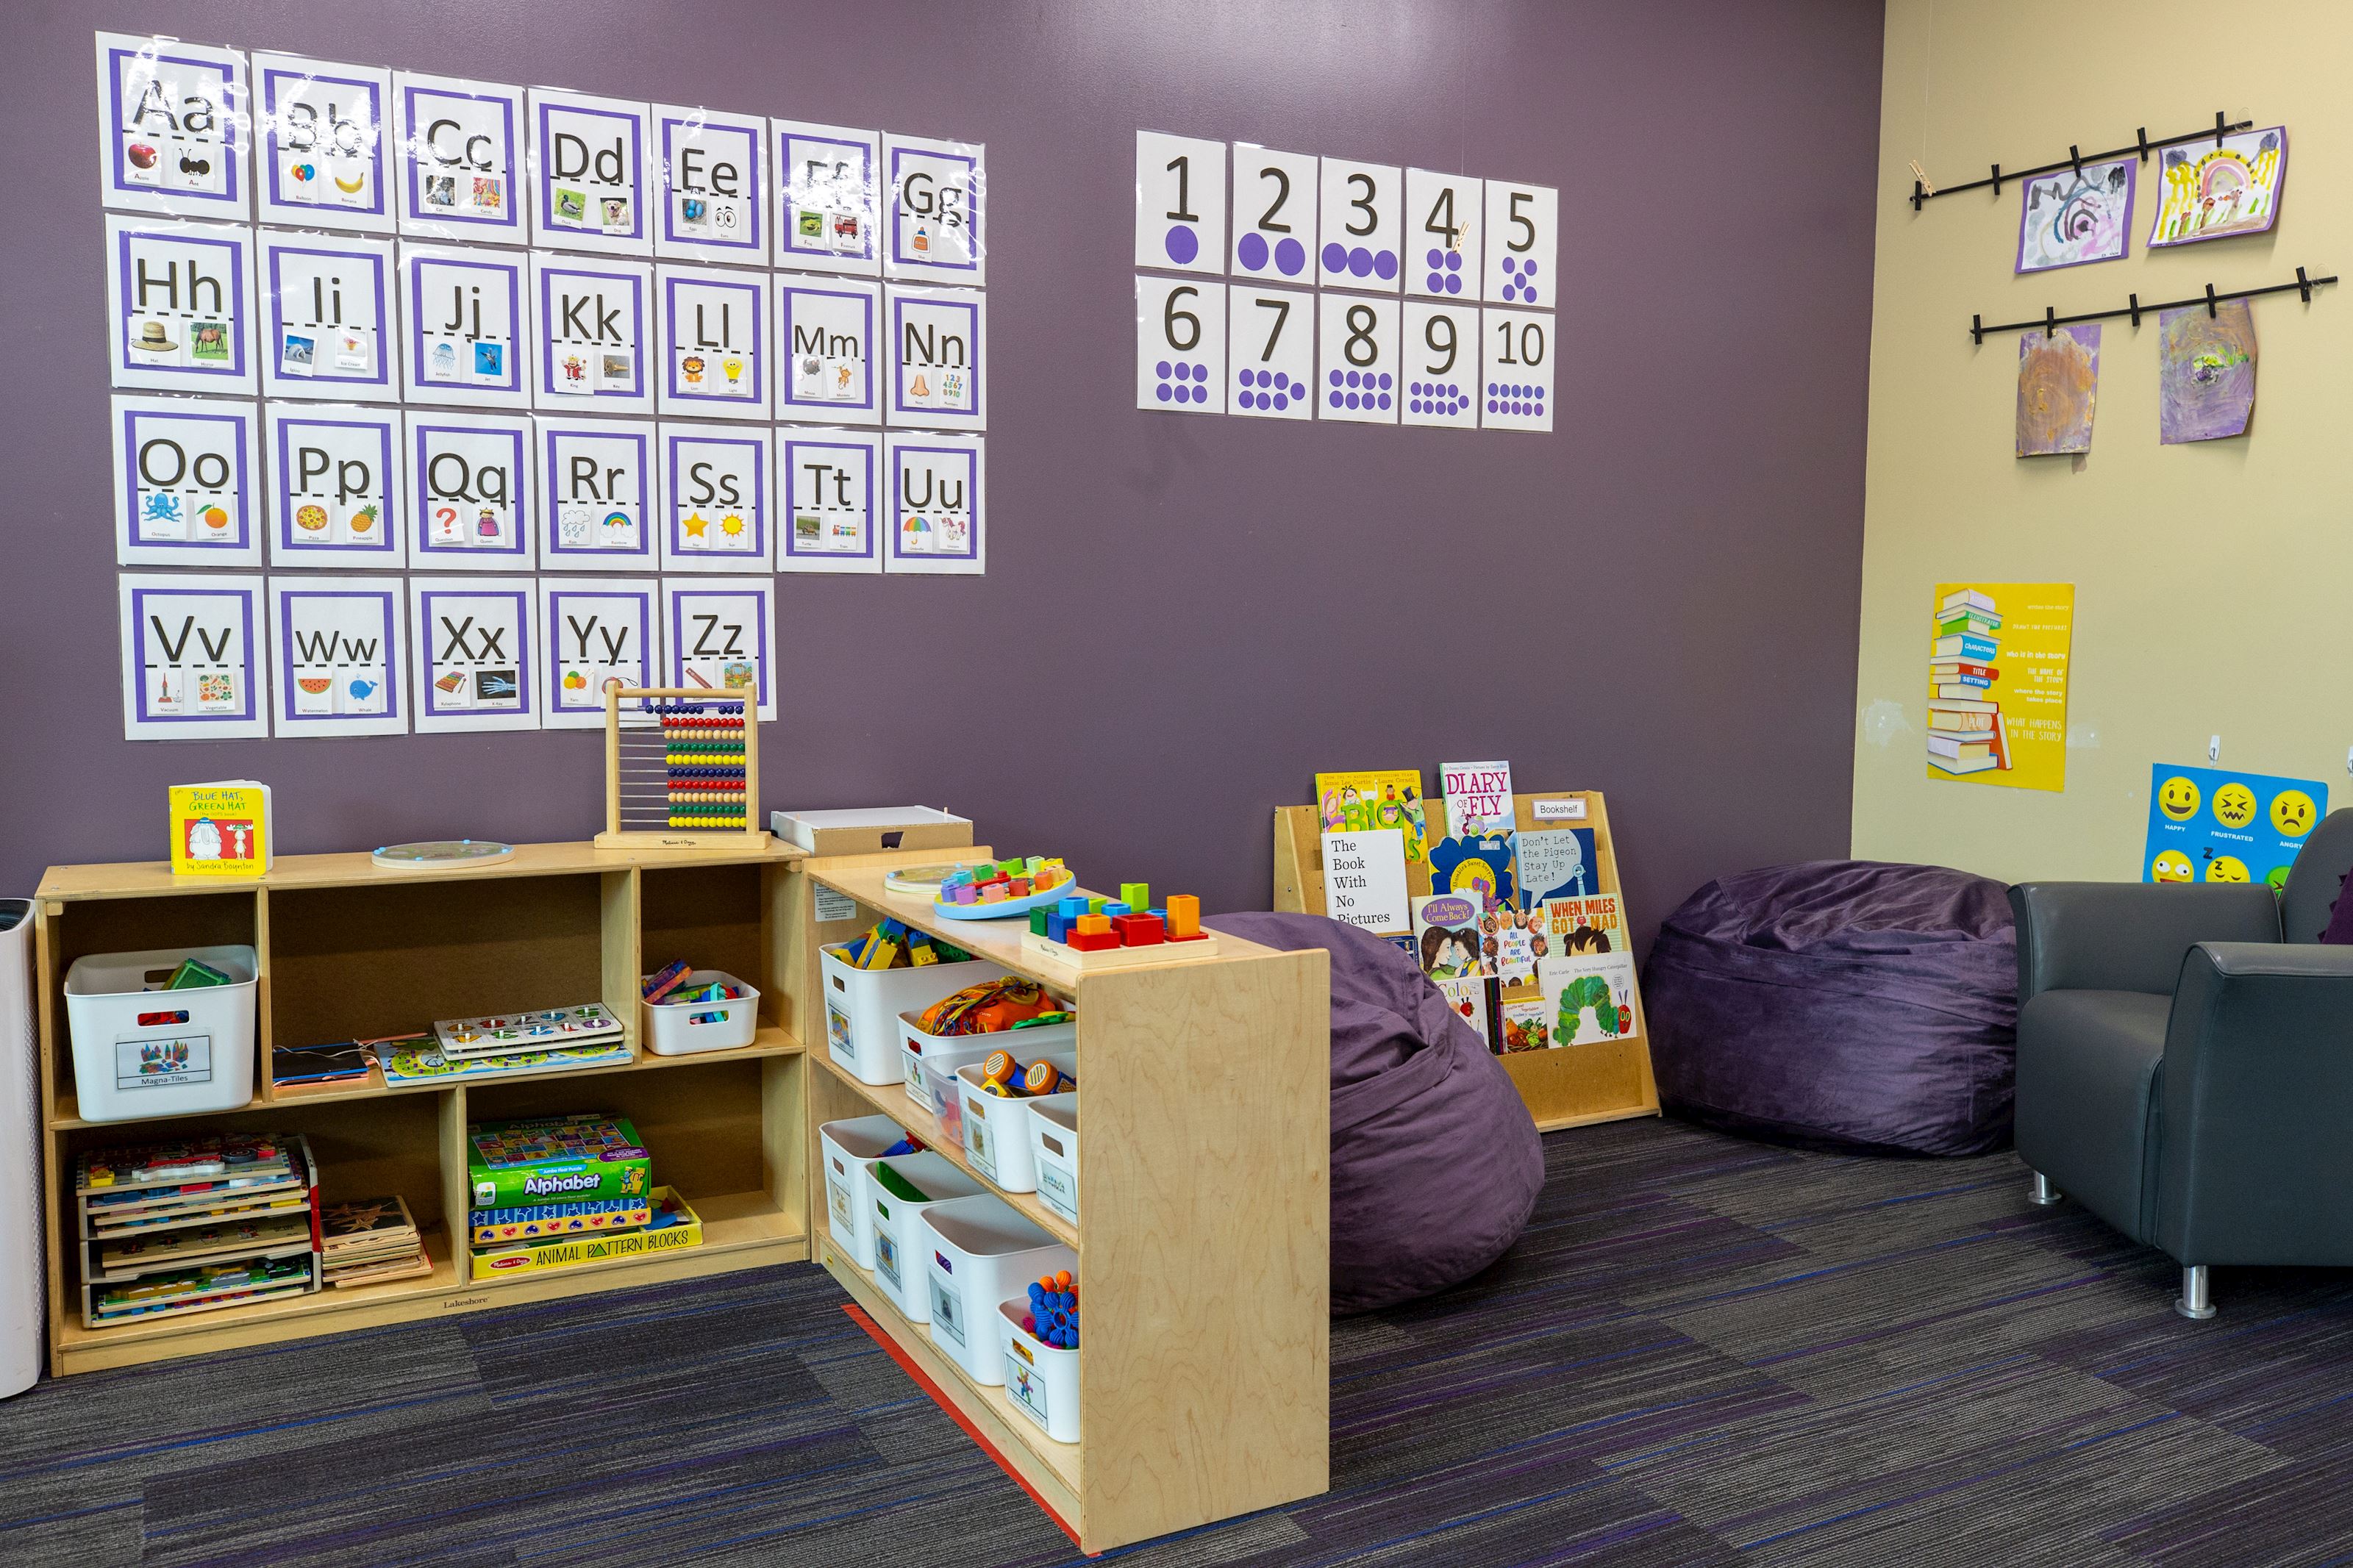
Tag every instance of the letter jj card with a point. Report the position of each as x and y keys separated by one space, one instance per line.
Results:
x=339 y=646
x=188 y=488
x=597 y=486
x=175 y=127
x=323 y=148
x=600 y=632
x=336 y=490
x=712 y=172
x=192 y=667
x=716 y=632
x=588 y=172
x=467 y=313
x=597 y=335
x=476 y=643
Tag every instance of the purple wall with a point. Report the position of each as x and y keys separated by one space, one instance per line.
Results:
x=1659 y=599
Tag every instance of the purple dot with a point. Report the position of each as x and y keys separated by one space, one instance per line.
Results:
x=1161 y=370
x=1335 y=378
x=1290 y=256
x=1360 y=262
x=1455 y=284
x=1355 y=380
x=1385 y=381
x=1283 y=383
x=1385 y=400
x=1335 y=257
x=1182 y=244
x=1350 y=400
x=1200 y=395
x=1490 y=405
x=1253 y=400
x=1281 y=403
x=1335 y=400
x=1250 y=251
x=1386 y=264
x=1437 y=283
x=1435 y=257
x=1454 y=261
x=1162 y=392
x=1414 y=406
x=1528 y=269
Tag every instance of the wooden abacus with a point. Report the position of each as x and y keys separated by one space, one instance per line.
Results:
x=682 y=768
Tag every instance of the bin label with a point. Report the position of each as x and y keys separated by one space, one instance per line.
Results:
x=162 y=1061
x=947 y=1311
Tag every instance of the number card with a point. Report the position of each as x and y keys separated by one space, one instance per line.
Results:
x=470 y=492
x=599 y=630
x=173 y=126
x=1515 y=364
x=588 y=172
x=827 y=351
x=596 y=332
x=715 y=325
x=1180 y=345
x=340 y=649
x=716 y=634
x=192 y=657
x=828 y=482
x=1440 y=357
x=597 y=482
x=828 y=196
x=1361 y=214
x=327 y=320
x=187 y=485
x=475 y=645
x=323 y=143
x=1442 y=213
x=335 y=486
x=1180 y=203
x=459 y=154
x=715 y=511
x=937 y=352
x=1523 y=234
x=938 y=196
x=1279 y=243
x=182 y=297
x=1356 y=344
x=935 y=505
x=1273 y=350
x=468 y=316
x=710 y=175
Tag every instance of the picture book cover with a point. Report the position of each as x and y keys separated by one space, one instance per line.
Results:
x=1556 y=863
x=1512 y=940
x=1446 y=936
x=1591 y=997
x=1595 y=924
x=1480 y=868
x=575 y=1159
x=1477 y=798
x=1363 y=802
x=1468 y=996
x=1364 y=882
x=220 y=830
x=1526 y=1027
x=2216 y=825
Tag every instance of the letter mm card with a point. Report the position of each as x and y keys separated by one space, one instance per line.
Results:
x=937 y=518
x=828 y=350
x=459 y=156
x=600 y=631
x=174 y=127
x=475 y=643
x=938 y=357
x=179 y=305
x=339 y=655
x=937 y=192
x=187 y=482
x=588 y=172
x=711 y=185
x=828 y=193
x=597 y=484
x=467 y=315
x=192 y=657
x=715 y=512
x=323 y=157
x=829 y=487
x=597 y=344
x=327 y=317
x=714 y=325
x=716 y=634
x=470 y=491
x=336 y=486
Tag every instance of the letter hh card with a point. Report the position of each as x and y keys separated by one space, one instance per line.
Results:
x=335 y=486
x=829 y=368
x=596 y=487
x=187 y=482
x=716 y=633
x=459 y=156
x=600 y=631
x=470 y=492
x=829 y=197
x=715 y=511
x=338 y=648
x=174 y=127
x=323 y=155
x=180 y=305
x=935 y=504
x=937 y=193
x=830 y=484
x=588 y=176
x=327 y=317
x=711 y=181
x=596 y=333
x=938 y=342
x=192 y=666
x=476 y=643
x=468 y=317
x=714 y=325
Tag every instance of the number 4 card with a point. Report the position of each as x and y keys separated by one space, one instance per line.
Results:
x=1441 y=242
x=1180 y=345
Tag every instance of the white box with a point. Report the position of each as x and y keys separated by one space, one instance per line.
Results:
x=1041 y=1381
x=862 y=1008
x=870 y=830
x=141 y=1050
x=996 y=1131
x=977 y=1253
x=1054 y=1150
x=899 y=1247
x=675 y=1028
x=930 y=1061
x=850 y=1147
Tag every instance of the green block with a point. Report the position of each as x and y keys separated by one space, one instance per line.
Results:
x=1095 y=905
x=1136 y=896
x=1037 y=921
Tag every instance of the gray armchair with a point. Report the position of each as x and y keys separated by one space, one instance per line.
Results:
x=2184 y=1072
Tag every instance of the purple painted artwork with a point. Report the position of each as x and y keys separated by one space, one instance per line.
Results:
x=2058 y=384
x=2076 y=215
x=2205 y=373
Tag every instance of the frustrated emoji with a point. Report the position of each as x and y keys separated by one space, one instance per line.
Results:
x=2234 y=805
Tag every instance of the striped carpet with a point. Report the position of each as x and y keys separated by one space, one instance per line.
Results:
x=1705 y=1352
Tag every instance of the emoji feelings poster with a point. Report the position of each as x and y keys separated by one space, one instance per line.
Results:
x=2214 y=824
x=1998 y=657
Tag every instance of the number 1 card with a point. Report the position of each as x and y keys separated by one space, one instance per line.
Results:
x=1180 y=203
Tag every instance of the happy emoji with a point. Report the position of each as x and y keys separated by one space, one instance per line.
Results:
x=2234 y=805
x=2227 y=868
x=2172 y=866
x=2291 y=813
x=2177 y=798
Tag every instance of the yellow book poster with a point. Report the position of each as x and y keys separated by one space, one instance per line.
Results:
x=220 y=830
x=1998 y=683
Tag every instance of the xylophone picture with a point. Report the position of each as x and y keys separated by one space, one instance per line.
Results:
x=682 y=768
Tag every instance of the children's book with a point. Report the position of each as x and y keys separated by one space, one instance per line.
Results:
x=1478 y=868
x=220 y=830
x=1595 y=924
x=1477 y=798
x=1362 y=802
x=1446 y=936
x=1591 y=997
x=1526 y=1028
x=1554 y=863
x=1513 y=940
x=1468 y=997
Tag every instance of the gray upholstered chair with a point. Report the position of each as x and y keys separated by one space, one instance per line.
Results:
x=2184 y=1072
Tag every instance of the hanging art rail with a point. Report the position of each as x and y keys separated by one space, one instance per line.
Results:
x=2051 y=320
x=2075 y=159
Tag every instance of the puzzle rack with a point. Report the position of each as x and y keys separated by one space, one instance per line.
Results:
x=681 y=769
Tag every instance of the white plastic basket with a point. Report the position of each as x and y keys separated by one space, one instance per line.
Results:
x=980 y=1252
x=1041 y=1381
x=899 y=1249
x=862 y=1008
x=930 y=1061
x=996 y=1131
x=848 y=1147
x=1054 y=1151
x=675 y=1028
x=141 y=1050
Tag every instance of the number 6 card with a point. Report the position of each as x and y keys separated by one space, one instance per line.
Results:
x=1180 y=345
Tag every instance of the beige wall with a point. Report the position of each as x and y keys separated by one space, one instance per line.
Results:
x=2214 y=581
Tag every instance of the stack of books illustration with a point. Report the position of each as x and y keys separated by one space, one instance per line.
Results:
x=1964 y=724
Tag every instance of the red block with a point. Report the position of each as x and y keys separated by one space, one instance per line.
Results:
x=1140 y=930
x=1092 y=941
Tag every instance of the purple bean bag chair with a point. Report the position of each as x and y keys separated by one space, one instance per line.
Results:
x=1435 y=1163
x=1843 y=1005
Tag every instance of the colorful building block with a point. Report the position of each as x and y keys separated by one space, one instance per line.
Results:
x=1118 y=908
x=1037 y=917
x=1139 y=931
x=1183 y=916
x=1058 y=926
x=1070 y=908
x=1135 y=895
x=1092 y=941
x=1093 y=925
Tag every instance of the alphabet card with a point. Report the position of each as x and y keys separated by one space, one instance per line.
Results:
x=477 y=653
x=1356 y=344
x=1180 y=203
x=938 y=193
x=588 y=172
x=335 y=488
x=187 y=483
x=828 y=480
x=1272 y=347
x=826 y=353
x=1361 y=214
x=595 y=332
x=338 y=647
x=600 y=631
x=174 y=126
x=1441 y=366
x=1515 y=366
x=827 y=197
x=716 y=633
x=1180 y=345
x=716 y=327
x=460 y=150
x=323 y=148
x=938 y=348
x=715 y=497
x=1522 y=238
x=327 y=319
x=935 y=504
x=597 y=486
x=467 y=313
x=192 y=657
x=1278 y=242
x=1441 y=242
x=710 y=179
x=469 y=489
x=181 y=295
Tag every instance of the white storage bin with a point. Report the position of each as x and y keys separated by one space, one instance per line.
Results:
x=141 y=1050
x=675 y=1028
x=862 y=1008
x=978 y=1252
x=930 y=1060
x=1041 y=1381
x=996 y=1131
x=899 y=1248
x=1054 y=1149
x=848 y=1147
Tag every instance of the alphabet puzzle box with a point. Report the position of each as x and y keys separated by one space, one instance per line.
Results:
x=555 y=1158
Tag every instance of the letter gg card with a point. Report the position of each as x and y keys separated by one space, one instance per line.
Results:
x=339 y=648
x=335 y=492
x=192 y=657
x=324 y=156
x=600 y=631
x=175 y=127
x=460 y=153
x=588 y=174
x=476 y=644
x=938 y=194
x=187 y=487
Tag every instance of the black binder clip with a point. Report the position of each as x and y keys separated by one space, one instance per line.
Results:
x=2133 y=304
x=2304 y=285
x=2209 y=301
x=2050 y=323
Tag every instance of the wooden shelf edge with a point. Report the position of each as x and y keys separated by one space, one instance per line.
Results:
x=1594 y=1118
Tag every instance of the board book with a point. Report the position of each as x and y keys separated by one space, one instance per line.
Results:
x=220 y=831
x=568 y=1159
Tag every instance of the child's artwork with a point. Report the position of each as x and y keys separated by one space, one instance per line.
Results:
x=2058 y=383
x=1477 y=798
x=2209 y=825
x=1595 y=924
x=1481 y=867
x=2231 y=189
x=1527 y=1026
x=1446 y=936
x=1998 y=683
x=1589 y=997
x=1557 y=863
x=1468 y=996
x=2205 y=371
x=2076 y=215
x=1360 y=803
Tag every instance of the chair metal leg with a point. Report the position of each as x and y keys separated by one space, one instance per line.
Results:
x=2042 y=1192
x=2197 y=1300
